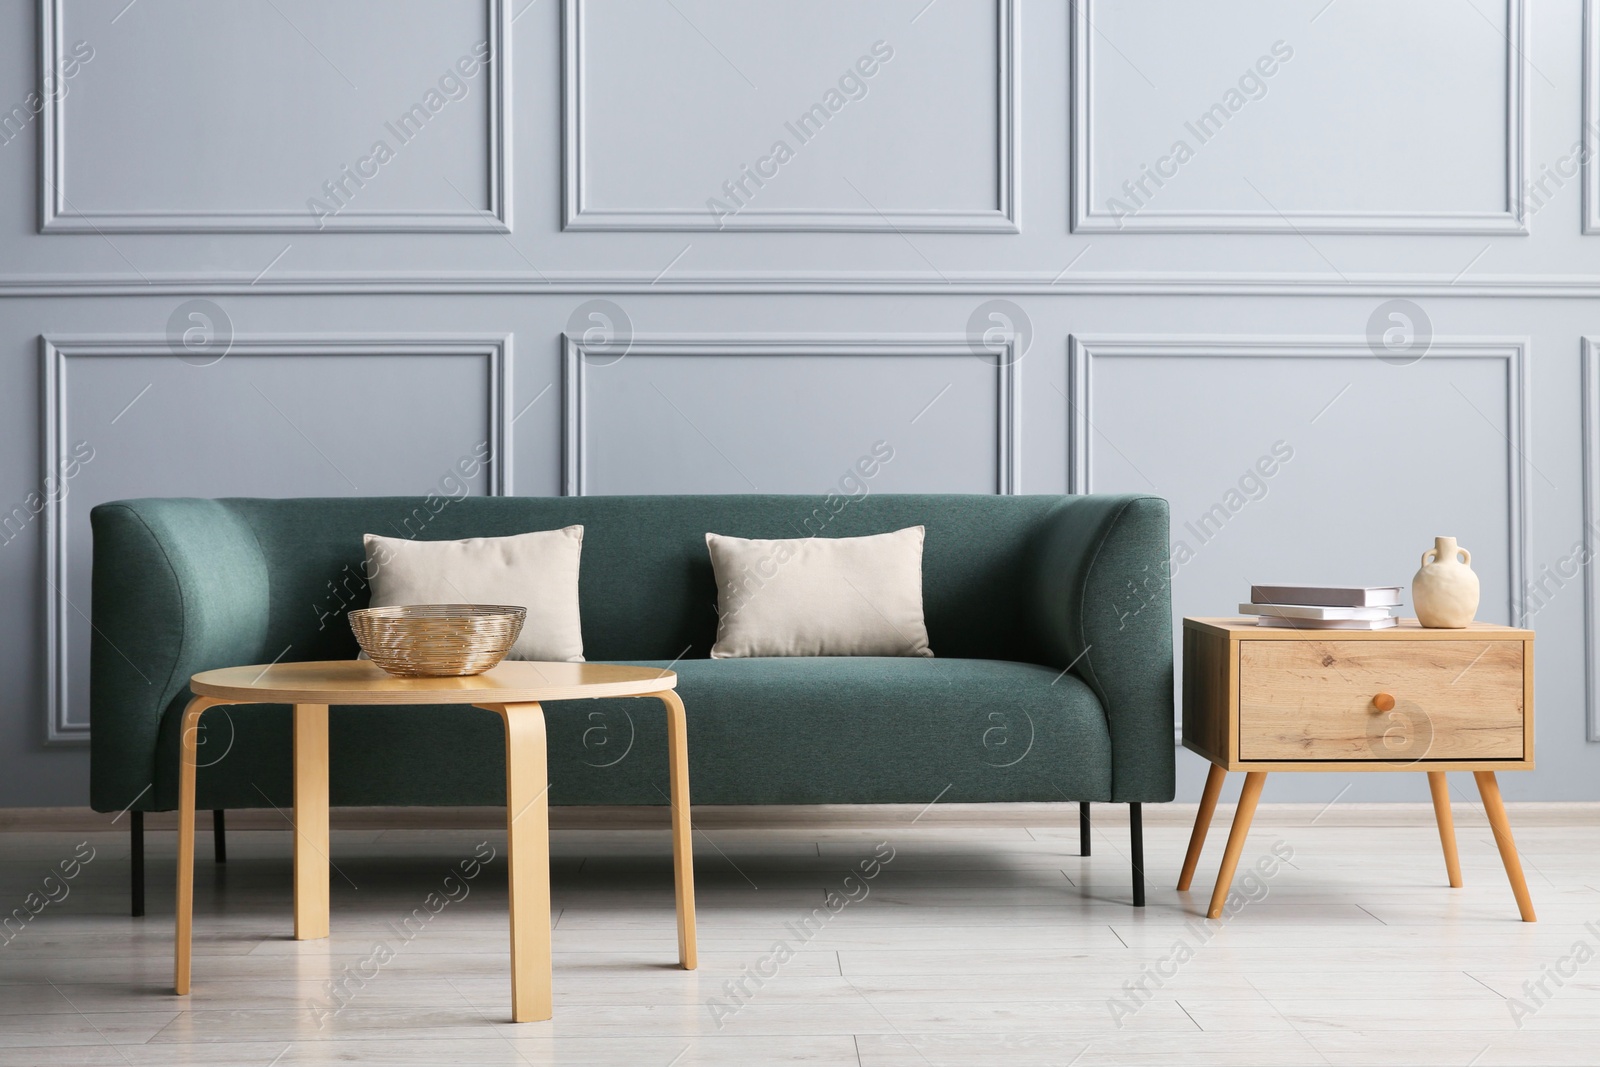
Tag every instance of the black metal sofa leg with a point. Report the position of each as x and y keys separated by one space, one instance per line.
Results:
x=1083 y=827
x=1136 y=840
x=136 y=831
x=219 y=836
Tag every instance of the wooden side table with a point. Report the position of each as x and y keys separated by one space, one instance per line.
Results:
x=514 y=691
x=1259 y=699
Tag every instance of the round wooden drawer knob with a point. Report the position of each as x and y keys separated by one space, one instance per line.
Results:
x=1383 y=702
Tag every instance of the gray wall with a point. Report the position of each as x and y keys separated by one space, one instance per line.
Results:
x=1311 y=162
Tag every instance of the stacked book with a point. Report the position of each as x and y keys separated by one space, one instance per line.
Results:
x=1317 y=607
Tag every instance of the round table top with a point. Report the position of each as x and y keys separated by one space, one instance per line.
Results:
x=352 y=681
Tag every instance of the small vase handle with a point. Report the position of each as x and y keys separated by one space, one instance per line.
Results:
x=1431 y=552
x=1466 y=557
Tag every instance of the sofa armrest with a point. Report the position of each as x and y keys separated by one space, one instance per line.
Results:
x=1103 y=607
x=179 y=586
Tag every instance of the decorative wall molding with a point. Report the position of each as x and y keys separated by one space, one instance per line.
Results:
x=575 y=368
x=1512 y=220
x=57 y=215
x=843 y=283
x=1591 y=531
x=1003 y=218
x=56 y=351
x=1083 y=351
x=1591 y=140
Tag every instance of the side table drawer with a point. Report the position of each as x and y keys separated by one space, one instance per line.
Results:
x=1314 y=700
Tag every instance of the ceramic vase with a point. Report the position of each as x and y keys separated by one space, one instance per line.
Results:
x=1445 y=591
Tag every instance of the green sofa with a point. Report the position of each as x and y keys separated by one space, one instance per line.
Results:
x=1048 y=616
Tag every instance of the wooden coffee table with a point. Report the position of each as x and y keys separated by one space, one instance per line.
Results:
x=515 y=691
x=1267 y=698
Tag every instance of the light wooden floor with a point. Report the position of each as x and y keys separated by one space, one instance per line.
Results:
x=974 y=945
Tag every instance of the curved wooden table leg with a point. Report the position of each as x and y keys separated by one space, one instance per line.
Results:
x=682 y=834
x=188 y=745
x=1202 y=823
x=1489 y=789
x=528 y=860
x=1248 y=798
x=1439 y=786
x=310 y=821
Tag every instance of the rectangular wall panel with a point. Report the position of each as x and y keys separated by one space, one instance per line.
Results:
x=1257 y=116
x=707 y=115
x=295 y=116
x=1310 y=460
x=787 y=415
x=288 y=418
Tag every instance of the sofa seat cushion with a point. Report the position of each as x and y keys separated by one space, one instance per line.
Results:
x=848 y=730
x=825 y=730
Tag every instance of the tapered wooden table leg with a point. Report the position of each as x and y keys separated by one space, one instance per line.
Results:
x=1248 y=798
x=188 y=744
x=310 y=821
x=1202 y=823
x=1439 y=786
x=1489 y=789
x=528 y=848
x=682 y=834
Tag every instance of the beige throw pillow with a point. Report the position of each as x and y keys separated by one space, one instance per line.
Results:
x=538 y=571
x=820 y=596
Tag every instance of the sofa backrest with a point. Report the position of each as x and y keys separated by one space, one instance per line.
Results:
x=646 y=585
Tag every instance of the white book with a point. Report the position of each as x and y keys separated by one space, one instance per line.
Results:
x=1328 y=624
x=1311 y=611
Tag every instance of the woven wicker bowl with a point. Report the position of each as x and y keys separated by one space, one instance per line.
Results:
x=437 y=640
